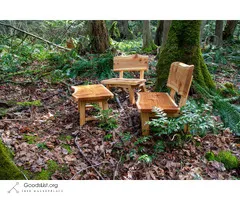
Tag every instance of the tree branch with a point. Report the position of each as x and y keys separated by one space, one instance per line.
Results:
x=35 y=36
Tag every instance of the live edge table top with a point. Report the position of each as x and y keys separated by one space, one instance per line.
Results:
x=91 y=92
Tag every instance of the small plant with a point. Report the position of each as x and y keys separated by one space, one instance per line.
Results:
x=145 y=158
x=196 y=116
x=159 y=146
x=106 y=119
x=108 y=137
x=228 y=159
x=46 y=174
x=65 y=137
x=31 y=139
x=210 y=156
x=42 y=145
x=30 y=103
x=142 y=140
x=67 y=147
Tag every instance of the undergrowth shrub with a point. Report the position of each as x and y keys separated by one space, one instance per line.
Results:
x=229 y=113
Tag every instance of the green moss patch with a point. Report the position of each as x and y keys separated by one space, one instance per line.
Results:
x=8 y=170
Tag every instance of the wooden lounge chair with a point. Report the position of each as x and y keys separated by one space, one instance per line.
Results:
x=128 y=63
x=179 y=81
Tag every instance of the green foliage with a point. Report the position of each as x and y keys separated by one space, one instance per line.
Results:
x=114 y=31
x=46 y=174
x=230 y=161
x=65 y=137
x=159 y=146
x=196 y=116
x=145 y=158
x=210 y=156
x=94 y=65
x=42 y=145
x=142 y=140
x=30 y=139
x=108 y=136
x=30 y=103
x=8 y=170
x=67 y=147
x=3 y=112
x=129 y=46
x=107 y=120
x=229 y=114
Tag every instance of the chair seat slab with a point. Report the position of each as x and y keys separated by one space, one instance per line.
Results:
x=148 y=100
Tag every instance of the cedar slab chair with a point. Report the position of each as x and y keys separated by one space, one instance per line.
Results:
x=128 y=63
x=179 y=81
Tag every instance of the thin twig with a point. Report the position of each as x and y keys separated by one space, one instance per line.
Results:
x=81 y=152
x=86 y=169
x=116 y=170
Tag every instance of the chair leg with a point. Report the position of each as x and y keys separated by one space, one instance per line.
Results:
x=145 y=127
x=131 y=95
x=81 y=108
x=143 y=88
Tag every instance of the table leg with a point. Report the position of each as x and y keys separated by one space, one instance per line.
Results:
x=145 y=127
x=131 y=95
x=105 y=105
x=143 y=88
x=100 y=104
x=81 y=108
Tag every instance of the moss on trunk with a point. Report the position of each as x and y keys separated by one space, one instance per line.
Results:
x=183 y=45
x=8 y=170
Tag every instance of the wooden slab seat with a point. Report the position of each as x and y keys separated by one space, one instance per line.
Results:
x=84 y=94
x=122 y=64
x=179 y=81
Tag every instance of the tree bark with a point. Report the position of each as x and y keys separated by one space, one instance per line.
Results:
x=159 y=33
x=148 y=44
x=99 y=36
x=183 y=45
x=166 y=28
x=218 y=33
x=202 y=30
x=229 y=29
x=124 y=30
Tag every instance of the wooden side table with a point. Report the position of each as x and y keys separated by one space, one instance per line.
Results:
x=90 y=94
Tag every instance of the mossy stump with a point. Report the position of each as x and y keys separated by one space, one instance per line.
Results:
x=8 y=170
x=183 y=45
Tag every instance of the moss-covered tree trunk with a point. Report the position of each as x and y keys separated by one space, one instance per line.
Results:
x=159 y=33
x=99 y=36
x=8 y=170
x=124 y=30
x=148 y=44
x=183 y=45
x=229 y=29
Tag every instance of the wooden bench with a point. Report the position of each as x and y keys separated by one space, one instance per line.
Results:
x=128 y=63
x=179 y=81
x=84 y=94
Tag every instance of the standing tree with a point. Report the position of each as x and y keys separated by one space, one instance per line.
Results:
x=229 y=29
x=159 y=33
x=148 y=44
x=166 y=27
x=99 y=36
x=218 y=33
x=125 y=33
x=183 y=45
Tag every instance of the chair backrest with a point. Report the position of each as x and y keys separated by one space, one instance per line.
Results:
x=130 y=63
x=179 y=80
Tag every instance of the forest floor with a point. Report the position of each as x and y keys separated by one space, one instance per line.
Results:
x=49 y=136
